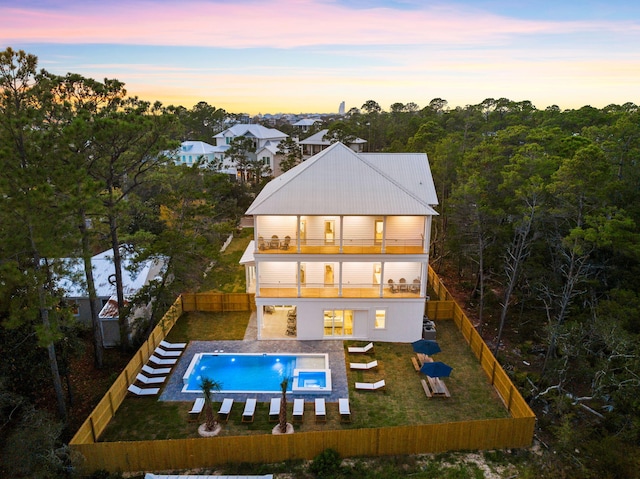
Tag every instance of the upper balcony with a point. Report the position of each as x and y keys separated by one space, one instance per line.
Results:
x=358 y=235
x=288 y=245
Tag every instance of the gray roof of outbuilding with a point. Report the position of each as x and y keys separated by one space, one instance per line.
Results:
x=339 y=181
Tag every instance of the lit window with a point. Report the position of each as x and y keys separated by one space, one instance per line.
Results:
x=74 y=307
x=381 y=319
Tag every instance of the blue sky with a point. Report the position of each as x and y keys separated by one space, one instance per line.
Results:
x=296 y=56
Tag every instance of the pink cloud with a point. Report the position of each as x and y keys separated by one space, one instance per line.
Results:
x=272 y=23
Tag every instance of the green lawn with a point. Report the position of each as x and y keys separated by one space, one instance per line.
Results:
x=403 y=402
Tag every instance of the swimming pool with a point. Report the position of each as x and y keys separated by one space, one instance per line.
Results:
x=241 y=373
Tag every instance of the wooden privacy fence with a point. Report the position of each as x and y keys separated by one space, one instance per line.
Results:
x=446 y=308
x=99 y=418
x=516 y=431
x=266 y=448
x=218 y=302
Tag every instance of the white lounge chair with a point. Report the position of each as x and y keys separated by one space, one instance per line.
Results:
x=363 y=349
x=371 y=386
x=167 y=345
x=345 y=410
x=298 y=410
x=155 y=371
x=249 y=410
x=167 y=354
x=147 y=380
x=196 y=409
x=163 y=361
x=321 y=410
x=274 y=409
x=369 y=365
x=142 y=391
x=225 y=410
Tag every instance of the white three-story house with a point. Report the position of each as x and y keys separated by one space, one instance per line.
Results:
x=341 y=247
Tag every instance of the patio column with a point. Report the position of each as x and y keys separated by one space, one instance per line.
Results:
x=340 y=279
x=298 y=234
x=382 y=281
x=341 y=233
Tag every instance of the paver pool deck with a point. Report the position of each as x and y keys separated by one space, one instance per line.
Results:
x=333 y=348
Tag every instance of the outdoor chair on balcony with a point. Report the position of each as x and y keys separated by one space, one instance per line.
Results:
x=392 y=286
x=415 y=287
x=262 y=245
x=403 y=285
x=286 y=243
x=275 y=242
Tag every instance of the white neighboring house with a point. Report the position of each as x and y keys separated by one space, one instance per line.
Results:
x=74 y=285
x=341 y=247
x=317 y=142
x=306 y=124
x=192 y=151
x=265 y=141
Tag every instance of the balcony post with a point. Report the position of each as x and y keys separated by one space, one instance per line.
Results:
x=384 y=235
x=341 y=232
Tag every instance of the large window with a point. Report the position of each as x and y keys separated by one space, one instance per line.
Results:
x=381 y=319
x=338 y=323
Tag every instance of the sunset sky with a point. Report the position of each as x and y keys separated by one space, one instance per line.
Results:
x=270 y=56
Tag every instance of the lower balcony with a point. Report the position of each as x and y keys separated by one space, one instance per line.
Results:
x=278 y=245
x=310 y=290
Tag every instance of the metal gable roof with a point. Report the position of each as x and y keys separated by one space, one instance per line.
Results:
x=255 y=130
x=338 y=181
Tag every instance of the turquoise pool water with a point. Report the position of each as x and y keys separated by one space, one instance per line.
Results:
x=258 y=372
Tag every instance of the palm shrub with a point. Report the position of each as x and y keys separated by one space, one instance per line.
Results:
x=208 y=385
x=282 y=416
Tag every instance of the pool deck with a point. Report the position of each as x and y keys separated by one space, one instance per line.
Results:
x=172 y=390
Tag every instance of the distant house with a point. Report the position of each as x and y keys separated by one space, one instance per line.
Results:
x=265 y=142
x=306 y=124
x=341 y=247
x=134 y=278
x=318 y=142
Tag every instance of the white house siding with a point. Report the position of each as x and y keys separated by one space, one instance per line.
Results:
x=404 y=227
x=315 y=228
x=281 y=226
x=273 y=273
x=403 y=318
x=360 y=229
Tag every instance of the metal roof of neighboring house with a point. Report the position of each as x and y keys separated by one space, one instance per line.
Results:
x=134 y=277
x=197 y=148
x=319 y=139
x=339 y=181
x=256 y=131
x=307 y=122
x=271 y=146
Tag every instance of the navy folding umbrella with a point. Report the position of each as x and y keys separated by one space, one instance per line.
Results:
x=436 y=369
x=426 y=346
